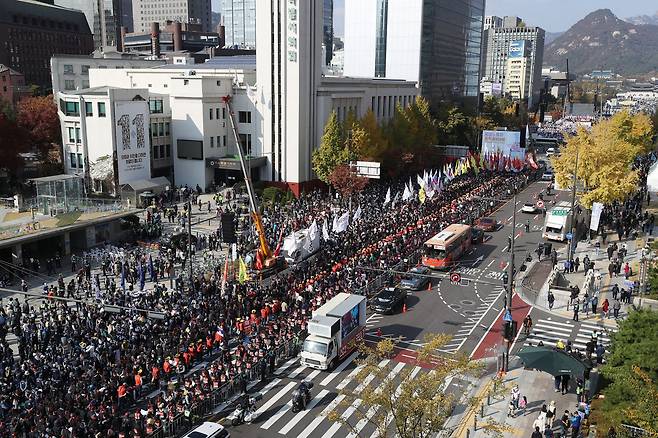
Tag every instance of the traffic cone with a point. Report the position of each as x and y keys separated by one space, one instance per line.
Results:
x=404 y=308
x=429 y=286
x=379 y=332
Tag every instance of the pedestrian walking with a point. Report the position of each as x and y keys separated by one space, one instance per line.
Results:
x=523 y=403
x=551 y=300
x=527 y=325
x=576 y=309
x=536 y=433
x=564 y=383
x=565 y=423
x=594 y=302
x=605 y=308
x=516 y=394
x=576 y=264
x=616 y=306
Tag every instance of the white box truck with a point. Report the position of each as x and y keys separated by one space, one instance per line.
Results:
x=335 y=330
x=560 y=219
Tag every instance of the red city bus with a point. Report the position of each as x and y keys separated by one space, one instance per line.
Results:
x=443 y=250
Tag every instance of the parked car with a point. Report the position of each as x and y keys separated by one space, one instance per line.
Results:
x=547 y=176
x=550 y=152
x=487 y=224
x=416 y=279
x=389 y=300
x=477 y=236
x=529 y=207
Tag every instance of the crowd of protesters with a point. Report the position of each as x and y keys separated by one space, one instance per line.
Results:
x=84 y=371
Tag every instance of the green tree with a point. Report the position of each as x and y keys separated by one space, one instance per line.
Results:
x=631 y=374
x=373 y=143
x=332 y=151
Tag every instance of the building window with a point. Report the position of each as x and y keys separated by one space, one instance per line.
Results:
x=77 y=135
x=161 y=131
x=89 y=112
x=219 y=141
x=71 y=134
x=225 y=143
x=166 y=128
x=224 y=113
x=155 y=152
x=85 y=83
x=217 y=113
x=244 y=116
x=74 y=160
x=68 y=69
x=168 y=150
x=80 y=165
x=101 y=109
x=212 y=141
x=380 y=38
x=162 y=151
x=210 y=113
x=155 y=106
x=245 y=141
x=69 y=84
x=72 y=108
x=84 y=69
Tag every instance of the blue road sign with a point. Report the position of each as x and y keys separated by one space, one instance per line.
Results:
x=569 y=236
x=508 y=316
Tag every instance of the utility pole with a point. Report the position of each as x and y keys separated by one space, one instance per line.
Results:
x=189 y=238
x=573 y=213
x=510 y=267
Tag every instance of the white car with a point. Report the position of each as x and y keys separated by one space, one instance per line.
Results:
x=208 y=429
x=547 y=176
x=550 y=152
x=529 y=207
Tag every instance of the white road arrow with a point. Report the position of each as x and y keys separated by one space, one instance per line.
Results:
x=478 y=260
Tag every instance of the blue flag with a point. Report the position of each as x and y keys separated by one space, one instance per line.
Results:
x=123 y=278
x=140 y=271
x=151 y=268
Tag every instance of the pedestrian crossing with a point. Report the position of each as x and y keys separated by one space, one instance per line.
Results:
x=274 y=417
x=549 y=332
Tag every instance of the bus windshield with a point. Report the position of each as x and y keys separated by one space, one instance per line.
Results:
x=435 y=253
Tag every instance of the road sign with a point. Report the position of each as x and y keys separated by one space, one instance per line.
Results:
x=508 y=316
x=569 y=236
x=540 y=204
x=455 y=277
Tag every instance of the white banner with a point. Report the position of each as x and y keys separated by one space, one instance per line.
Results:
x=504 y=142
x=597 y=209
x=133 y=144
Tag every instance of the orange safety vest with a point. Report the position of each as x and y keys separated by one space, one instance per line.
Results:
x=166 y=367
x=138 y=380
x=121 y=391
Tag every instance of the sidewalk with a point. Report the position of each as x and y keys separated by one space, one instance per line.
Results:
x=537 y=387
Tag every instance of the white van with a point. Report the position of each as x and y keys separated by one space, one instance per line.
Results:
x=550 y=152
x=208 y=430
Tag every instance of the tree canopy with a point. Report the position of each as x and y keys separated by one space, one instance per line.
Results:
x=632 y=373
x=332 y=151
x=604 y=157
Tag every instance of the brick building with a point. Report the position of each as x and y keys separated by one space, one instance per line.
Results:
x=12 y=85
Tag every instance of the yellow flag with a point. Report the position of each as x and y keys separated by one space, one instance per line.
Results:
x=242 y=272
x=421 y=195
x=474 y=165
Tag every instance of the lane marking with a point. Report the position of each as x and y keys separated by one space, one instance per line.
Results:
x=339 y=369
x=275 y=398
x=293 y=422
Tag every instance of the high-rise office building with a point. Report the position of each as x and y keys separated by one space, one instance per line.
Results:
x=104 y=18
x=507 y=38
x=32 y=32
x=146 y=12
x=434 y=42
x=328 y=30
x=239 y=18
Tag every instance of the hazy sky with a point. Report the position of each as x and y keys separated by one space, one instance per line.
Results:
x=552 y=15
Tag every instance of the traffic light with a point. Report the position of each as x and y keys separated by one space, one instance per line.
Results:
x=509 y=330
x=505 y=279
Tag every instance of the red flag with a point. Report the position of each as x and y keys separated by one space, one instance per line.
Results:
x=278 y=245
x=225 y=276
x=531 y=161
x=259 y=261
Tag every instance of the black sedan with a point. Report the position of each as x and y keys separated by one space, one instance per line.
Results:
x=416 y=279
x=389 y=300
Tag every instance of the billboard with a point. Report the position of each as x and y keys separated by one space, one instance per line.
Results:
x=517 y=49
x=497 y=89
x=133 y=143
x=504 y=142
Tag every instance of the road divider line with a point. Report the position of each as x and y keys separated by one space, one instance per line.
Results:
x=339 y=369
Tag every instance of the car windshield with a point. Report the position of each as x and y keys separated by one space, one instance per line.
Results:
x=529 y=204
x=315 y=347
x=435 y=253
x=386 y=296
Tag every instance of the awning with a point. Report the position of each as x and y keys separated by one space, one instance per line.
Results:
x=552 y=360
x=147 y=184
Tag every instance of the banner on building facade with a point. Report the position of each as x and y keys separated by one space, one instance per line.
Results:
x=133 y=145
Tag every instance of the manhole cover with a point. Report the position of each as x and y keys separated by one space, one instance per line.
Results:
x=469 y=312
x=467 y=302
x=454 y=306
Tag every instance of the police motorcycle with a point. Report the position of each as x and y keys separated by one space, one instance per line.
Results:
x=245 y=412
x=301 y=396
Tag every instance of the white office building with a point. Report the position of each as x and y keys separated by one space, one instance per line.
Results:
x=71 y=72
x=280 y=102
x=146 y=12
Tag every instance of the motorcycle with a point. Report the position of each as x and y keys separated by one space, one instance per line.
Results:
x=301 y=397
x=245 y=412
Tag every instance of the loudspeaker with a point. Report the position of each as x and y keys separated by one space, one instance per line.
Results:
x=228 y=228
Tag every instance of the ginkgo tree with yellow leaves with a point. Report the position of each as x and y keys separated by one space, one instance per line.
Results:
x=602 y=159
x=407 y=401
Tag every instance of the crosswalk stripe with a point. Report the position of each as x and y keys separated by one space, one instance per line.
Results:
x=598 y=327
x=296 y=372
x=317 y=420
x=398 y=390
x=544 y=336
x=269 y=386
x=339 y=369
x=286 y=365
x=313 y=375
x=349 y=377
x=552 y=327
x=373 y=409
x=348 y=412
x=548 y=321
x=293 y=422
x=275 y=398
x=274 y=418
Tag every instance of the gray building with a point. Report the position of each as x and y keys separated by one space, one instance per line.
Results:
x=328 y=30
x=496 y=52
x=104 y=18
x=146 y=12
x=434 y=42
x=239 y=17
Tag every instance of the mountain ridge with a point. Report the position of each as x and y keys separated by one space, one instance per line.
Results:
x=601 y=40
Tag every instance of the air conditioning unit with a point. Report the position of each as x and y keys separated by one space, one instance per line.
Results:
x=192 y=72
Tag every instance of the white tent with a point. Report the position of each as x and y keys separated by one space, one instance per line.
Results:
x=652 y=179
